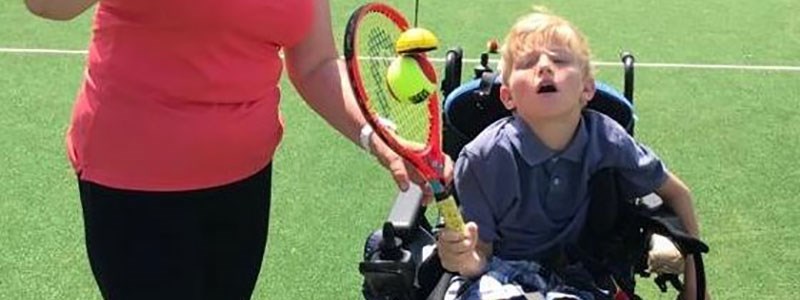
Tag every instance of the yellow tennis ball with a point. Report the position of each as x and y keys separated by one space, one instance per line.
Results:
x=416 y=40
x=408 y=81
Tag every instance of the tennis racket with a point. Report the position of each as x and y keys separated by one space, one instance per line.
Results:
x=369 y=48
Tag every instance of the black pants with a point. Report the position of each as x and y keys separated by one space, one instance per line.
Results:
x=202 y=244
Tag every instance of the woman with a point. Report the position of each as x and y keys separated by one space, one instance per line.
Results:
x=174 y=130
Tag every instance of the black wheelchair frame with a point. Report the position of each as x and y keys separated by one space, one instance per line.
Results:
x=401 y=264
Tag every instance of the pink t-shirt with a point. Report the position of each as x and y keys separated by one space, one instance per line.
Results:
x=182 y=94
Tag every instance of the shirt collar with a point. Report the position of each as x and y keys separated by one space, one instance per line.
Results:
x=534 y=151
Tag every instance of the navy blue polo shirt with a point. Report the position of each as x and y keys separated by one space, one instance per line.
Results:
x=526 y=198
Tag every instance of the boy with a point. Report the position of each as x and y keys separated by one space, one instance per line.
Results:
x=523 y=181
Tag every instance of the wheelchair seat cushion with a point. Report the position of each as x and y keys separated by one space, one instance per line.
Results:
x=506 y=279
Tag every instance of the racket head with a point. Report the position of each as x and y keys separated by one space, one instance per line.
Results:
x=369 y=48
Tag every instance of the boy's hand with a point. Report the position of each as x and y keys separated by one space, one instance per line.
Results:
x=664 y=257
x=458 y=251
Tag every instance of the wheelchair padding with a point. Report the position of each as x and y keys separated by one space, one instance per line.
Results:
x=612 y=103
x=613 y=235
x=473 y=106
x=476 y=104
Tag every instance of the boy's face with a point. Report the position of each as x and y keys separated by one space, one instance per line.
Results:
x=547 y=83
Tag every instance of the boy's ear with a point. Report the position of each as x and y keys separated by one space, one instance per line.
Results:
x=505 y=97
x=589 y=89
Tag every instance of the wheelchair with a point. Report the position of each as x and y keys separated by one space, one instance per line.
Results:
x=400 y=261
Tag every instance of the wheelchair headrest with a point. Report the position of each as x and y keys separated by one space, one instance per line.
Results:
x=476 y=104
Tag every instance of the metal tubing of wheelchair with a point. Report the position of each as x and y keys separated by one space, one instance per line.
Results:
x=700 y=276
x=627 y=65
x=406 y=207
x=452 y=71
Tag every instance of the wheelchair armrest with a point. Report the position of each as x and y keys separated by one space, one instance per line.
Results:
x=406 y=209
x=413 y=274
x=665 y=221
x=440 y=290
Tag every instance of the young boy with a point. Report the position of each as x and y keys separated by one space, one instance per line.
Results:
x=522 y=183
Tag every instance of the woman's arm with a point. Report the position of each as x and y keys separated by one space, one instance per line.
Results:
x=59 y=10
x=319 y=76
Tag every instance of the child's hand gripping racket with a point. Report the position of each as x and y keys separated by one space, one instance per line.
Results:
x=402 y=90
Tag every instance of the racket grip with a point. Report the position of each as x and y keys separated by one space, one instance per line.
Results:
x=449 y=211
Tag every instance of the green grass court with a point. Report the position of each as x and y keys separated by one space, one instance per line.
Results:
x=732 y=134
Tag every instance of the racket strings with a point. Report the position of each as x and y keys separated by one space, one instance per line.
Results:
x=376 y=40
x=379 y=51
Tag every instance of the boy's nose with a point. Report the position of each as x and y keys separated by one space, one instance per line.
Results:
x=544 y=70
x=544 y=66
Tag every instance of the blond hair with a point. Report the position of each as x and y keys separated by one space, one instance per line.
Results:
x=540 y=29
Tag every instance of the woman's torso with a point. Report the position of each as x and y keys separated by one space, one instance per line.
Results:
x=182 y=94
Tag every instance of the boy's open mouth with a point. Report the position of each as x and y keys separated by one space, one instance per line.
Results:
x=546 y=88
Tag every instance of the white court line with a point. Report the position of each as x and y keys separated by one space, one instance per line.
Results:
x=41 y=51
x=494 y=61
x=672 y=65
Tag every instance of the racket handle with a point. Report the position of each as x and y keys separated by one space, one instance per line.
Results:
x=452 y=218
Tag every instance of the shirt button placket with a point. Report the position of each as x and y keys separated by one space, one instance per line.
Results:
x=555 y=180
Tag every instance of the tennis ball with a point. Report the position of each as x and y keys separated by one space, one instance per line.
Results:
x=492 y=46
x=409 y=81
x=416 y=40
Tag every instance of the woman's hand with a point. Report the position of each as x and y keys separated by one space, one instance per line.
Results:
x=404 y=172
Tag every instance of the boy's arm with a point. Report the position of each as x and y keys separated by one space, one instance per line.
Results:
x=677 y=195
x=60 y=10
